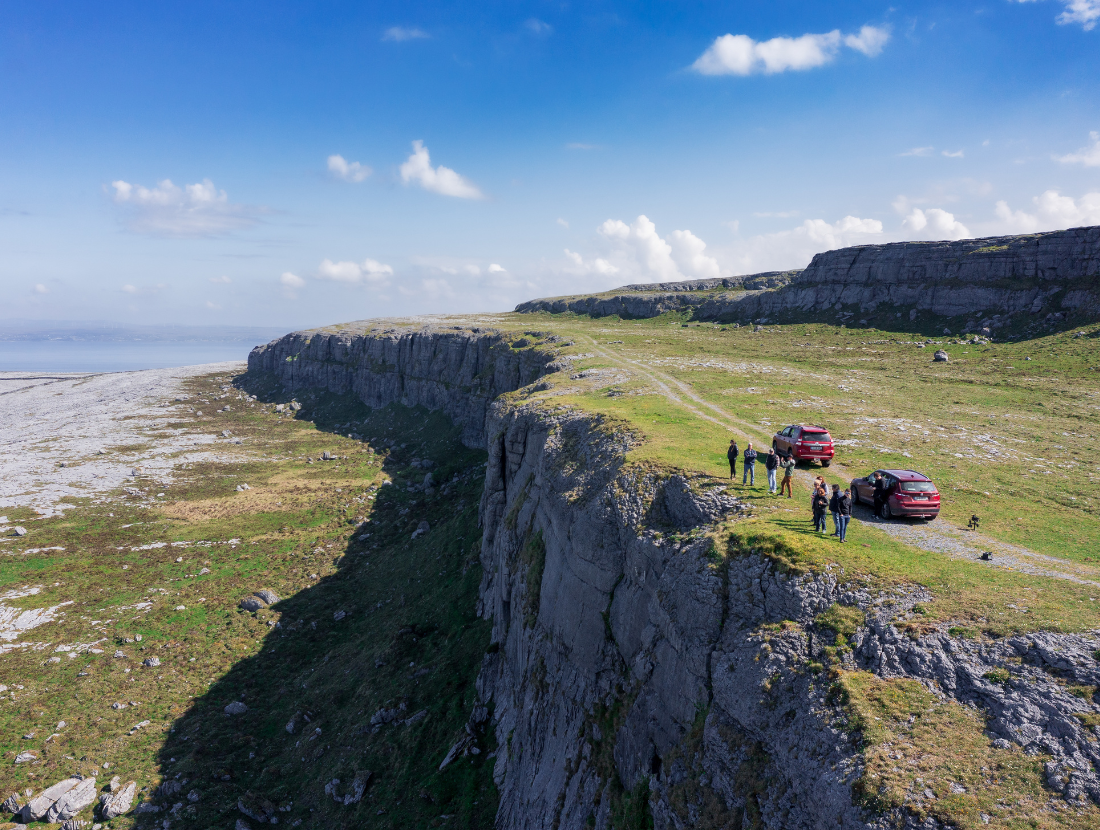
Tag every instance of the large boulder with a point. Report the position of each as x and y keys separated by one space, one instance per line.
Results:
x=78 y=798
x=37 y=807
x=115 y=804
x=940 y=356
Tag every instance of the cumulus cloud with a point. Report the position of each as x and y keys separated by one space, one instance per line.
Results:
x=41 y=289
x=680 y=256
x=194 y=210
x=1088 y=156
x=741 y=55
x=368 y=271
x=795 y=247
x=1085 y=12
x=581 y=266
x=399 y=34
x=562 y=222
x=934 y=223
x=223 y=280
x=494 y=268
x=1053 y=211
x=353 y=171
x=291 y=283
x=443 y=180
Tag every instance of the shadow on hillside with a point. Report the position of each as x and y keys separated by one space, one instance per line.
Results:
x=365 y=678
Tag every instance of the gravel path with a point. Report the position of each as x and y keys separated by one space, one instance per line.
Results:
x=940 y=537
x=101 y=427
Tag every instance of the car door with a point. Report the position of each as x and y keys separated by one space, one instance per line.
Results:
x=784 y=442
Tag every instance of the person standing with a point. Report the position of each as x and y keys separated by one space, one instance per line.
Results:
x=732 y=454
x=880 y=492
x=819 y=505
x=771 y=464
x=787 y=464
x=844 y=513
x=834 y=508
x=749 y=473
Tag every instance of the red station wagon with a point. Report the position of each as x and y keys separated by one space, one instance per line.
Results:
x=908 y=494
x=805 y=443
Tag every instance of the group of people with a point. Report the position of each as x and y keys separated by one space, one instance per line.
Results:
x=822 y=502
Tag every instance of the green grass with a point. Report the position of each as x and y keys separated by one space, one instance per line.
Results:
x=406 y=601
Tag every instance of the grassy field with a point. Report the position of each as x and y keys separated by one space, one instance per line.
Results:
x=369 y=619
x=375 y=624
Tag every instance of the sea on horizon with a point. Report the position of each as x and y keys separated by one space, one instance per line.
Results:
x=114 y=355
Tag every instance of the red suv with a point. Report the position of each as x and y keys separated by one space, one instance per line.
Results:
x=908 y=494
x=805 y=443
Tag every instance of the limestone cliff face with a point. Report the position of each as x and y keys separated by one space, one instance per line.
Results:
x=1037 y=274
x=631 y=658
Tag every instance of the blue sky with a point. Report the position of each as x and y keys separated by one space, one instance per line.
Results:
x=301 y=164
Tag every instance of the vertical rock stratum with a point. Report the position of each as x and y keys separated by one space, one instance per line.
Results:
x=636 y=665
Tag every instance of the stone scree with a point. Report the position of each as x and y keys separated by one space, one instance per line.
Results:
x=594 y=610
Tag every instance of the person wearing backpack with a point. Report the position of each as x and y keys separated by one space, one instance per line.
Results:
x=749 y=473
x=771 y=464
x=732 y=454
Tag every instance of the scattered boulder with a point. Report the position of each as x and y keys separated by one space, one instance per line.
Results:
x=116 y=782
x=339 y=615
x=757 y=328
x=26 y=757
x=76 y=799
x=252 y=604
x=256 y=808
x=242 y=487
x=270 y=597
x=37 y=807
x=327 y=456
x=19 y=531
x=421 y=528
x=940 y=356
x=235 y=708
x=13 y=804
x=242 y=825
x=292 y=724
x=169 y=788
x=118 y=801
x=74 y=824
x=151 y=662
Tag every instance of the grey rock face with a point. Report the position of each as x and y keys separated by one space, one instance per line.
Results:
x=252 y=604
x=603 y=596
x=12 y=804
x=73 y=801
x=1045 y=275
x=270 y=597
x=235 y=708
x=37 y=807
x=151 y=662
x=940 y=356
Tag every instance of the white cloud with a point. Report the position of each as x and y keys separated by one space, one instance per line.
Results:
x=734 y=225
x=418 y=168
x=369 y=271
x=194 y=210
x=934 y=223
x=870 y=40
x=399 y=34
x=562 y=222
x=1085 y=12
x=794 y=248
x=741 y=55
x=644 y=251
x=348 y=171
x=497 y=269
x=1052 y=212
x=222 y=280
x=213 y=306
x=918 y=151
x=596 y=266
x=143 y=290
x=1088 y=156
x=41 y=289
x=291 y=280
x=840 y=234
x=957 y=154
x=538 y=27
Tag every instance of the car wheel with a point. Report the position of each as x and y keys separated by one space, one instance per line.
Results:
x=886 y=513
x=825 y=462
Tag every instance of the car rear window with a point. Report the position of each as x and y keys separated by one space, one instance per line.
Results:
x=918 y=486
x=812 y=435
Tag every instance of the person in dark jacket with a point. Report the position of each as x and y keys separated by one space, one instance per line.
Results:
x=771 y=464
x=819 y=504
x=880 y=492
x=834 y=508
x=732 y=454
x=749 y=473
x=844 y=513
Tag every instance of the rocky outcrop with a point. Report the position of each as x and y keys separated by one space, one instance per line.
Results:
x=457 y=370
x=633 y=662
x=1045 y=275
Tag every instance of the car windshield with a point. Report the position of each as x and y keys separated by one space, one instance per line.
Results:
x=918 y=487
